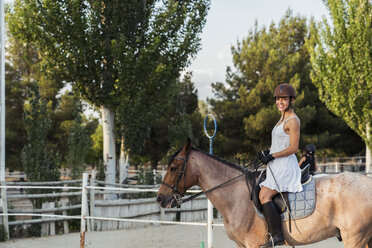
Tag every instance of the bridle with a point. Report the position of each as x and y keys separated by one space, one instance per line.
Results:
x=182 y=173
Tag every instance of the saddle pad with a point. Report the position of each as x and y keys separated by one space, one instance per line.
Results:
x=301 y=204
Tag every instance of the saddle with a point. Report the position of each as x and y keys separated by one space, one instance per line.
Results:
x=278 y=200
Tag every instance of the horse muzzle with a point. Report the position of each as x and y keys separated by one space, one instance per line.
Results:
x=169 y=201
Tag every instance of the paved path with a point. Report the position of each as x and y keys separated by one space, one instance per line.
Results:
x=154 y=237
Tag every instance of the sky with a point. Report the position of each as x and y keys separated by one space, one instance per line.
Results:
x=229 y=21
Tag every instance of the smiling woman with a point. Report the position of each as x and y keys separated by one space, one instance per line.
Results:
x=283 y=173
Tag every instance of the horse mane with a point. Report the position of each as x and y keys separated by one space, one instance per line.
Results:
x=251 y=175
x=230 y=164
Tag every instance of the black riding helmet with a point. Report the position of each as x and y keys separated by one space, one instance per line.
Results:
x=310 y=149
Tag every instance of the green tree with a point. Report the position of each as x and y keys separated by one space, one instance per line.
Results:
x=68 y=111
x=23 y=70
x=39 y=162
x=15 y=132
x=96 y=149
x=78 y=142
x=95 y=152
x=123 y=63
x=341 y=57
x=179 y=121
x=20 y=71
x=246 y=109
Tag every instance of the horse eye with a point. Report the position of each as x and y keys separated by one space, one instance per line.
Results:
x=173 y=169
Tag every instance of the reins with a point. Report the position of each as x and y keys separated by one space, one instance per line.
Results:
x=190 y=198
x=210 y=190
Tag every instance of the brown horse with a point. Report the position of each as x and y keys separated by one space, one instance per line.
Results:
x=344 y=202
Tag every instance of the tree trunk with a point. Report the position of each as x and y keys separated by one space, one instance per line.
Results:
x=123 y=164
x=109 y=157
x=368 y=152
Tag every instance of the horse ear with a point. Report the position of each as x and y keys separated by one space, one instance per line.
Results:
x=188 y=145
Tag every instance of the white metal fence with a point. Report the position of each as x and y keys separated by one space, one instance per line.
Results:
x=85 y=217
x=338 y=166
x=99 y=214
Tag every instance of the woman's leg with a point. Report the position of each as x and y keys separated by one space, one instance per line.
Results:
x=272 y=217
x=266 y=194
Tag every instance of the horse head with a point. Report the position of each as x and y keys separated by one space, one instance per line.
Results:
x=177 y=179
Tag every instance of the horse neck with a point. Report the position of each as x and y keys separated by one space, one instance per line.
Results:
x=212 y=173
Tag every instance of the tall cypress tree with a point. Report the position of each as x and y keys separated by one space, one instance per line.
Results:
x=39 y=161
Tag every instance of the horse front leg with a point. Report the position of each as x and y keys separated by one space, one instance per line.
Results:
x=357 y=241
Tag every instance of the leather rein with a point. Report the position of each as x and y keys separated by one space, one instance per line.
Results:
x=182 y=173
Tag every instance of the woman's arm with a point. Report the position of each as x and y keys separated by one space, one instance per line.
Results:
x=291 y=127
x=301 y=161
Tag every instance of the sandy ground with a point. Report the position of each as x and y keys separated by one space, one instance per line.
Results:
x=154 y=237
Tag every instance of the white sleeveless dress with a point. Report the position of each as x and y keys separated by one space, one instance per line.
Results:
x=285 y=169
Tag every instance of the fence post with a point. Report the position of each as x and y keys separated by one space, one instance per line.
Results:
x=52 y=225
x=92 y=195
x=65 y=224
x=336 y=167
x=45 y=226
x=162 y=213
x=2 y=119
x=210 y=206
x=83 y=209
x=87 y=221
x=4 y=203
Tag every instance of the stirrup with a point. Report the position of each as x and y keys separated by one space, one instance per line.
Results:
x=271 y=242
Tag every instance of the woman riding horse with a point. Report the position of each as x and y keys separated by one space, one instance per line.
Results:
x=283 y=172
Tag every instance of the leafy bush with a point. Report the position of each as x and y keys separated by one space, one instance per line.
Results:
x=34 y=230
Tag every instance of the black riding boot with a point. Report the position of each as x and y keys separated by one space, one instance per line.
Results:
x=274 y=225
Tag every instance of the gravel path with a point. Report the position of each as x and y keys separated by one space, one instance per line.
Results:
x=154 y=237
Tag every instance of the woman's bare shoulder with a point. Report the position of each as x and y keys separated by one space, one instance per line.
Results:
x=293 y=123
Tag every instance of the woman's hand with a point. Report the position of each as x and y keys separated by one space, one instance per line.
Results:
x=262 y=154
x=266 y=159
